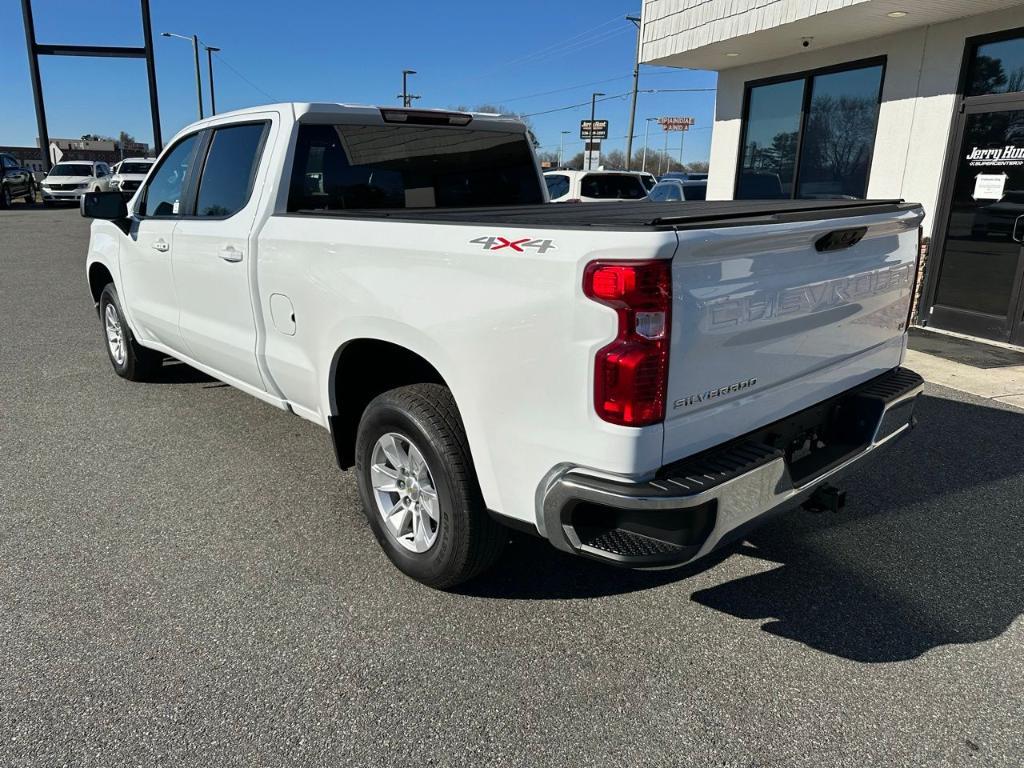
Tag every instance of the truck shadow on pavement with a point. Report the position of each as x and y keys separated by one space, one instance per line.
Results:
x=929 y=552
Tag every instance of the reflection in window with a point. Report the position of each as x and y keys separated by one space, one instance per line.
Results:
x=997 y=68
x=769 y=152
x=835 y=138
x=840 y=134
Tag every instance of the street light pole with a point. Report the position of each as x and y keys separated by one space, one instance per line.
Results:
x=209 y=66
x=636 y=85
x=195 y=52
x=561 y=141
x=589 y=153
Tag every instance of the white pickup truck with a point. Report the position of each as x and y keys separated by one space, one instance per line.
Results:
x=638 y=383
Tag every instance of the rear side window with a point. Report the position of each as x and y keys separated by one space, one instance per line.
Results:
x=339 y=167
x=230 y=169
x=612 y=186
x=666 y=193
x=558 y=184
x=164 y=191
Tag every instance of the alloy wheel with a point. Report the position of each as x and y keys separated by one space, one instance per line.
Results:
x=404 y=490
x=115 y=334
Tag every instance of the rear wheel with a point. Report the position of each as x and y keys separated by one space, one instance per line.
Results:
x=419 y=489
x=130 y=360
x=30 y=195
x=5 y=197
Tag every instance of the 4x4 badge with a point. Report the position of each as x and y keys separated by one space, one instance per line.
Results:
x=497 y=243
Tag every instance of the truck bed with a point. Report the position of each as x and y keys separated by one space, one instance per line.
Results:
x=635 y=216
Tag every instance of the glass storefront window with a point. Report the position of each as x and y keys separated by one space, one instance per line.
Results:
x=830 y=119
x=997 y=67
x=769 y=150
x=840 y=134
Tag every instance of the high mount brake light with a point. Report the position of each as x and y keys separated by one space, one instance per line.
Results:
x=631 y=373
x=425 y=117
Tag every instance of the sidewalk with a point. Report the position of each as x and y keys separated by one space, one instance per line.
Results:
x=993 y=372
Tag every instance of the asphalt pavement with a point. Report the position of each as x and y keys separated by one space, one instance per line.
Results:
x=187 y=579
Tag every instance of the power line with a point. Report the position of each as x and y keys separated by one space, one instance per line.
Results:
x=561 y=44
x=619 y=96
x=581 y=85
x=246 y=79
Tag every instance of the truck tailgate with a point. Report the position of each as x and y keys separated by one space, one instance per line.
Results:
x=771 y=318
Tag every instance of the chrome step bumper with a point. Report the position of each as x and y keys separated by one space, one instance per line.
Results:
x=693 y=506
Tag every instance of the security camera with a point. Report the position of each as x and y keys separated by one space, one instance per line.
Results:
x=806 y=42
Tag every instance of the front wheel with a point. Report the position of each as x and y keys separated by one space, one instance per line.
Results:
x=5 y=197
x=419 y=489
x=130 y=360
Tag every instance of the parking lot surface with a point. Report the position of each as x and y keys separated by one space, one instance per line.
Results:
x=187 y=579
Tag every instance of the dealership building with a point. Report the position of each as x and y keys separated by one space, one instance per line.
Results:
x=915 y=99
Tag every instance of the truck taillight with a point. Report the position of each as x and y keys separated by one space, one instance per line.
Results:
x=631 y=373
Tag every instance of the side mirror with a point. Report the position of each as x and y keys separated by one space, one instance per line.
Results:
x=104 y=205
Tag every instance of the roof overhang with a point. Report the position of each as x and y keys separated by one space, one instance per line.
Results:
x=712 y=35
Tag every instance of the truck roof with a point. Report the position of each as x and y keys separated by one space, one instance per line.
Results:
x=641 y=215
x=302 y=108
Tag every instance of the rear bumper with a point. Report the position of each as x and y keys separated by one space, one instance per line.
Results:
x=695 y=505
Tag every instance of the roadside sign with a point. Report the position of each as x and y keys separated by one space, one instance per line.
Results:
x=598 y=131
x=676 y=123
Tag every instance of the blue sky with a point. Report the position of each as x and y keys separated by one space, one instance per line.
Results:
x=511 y=53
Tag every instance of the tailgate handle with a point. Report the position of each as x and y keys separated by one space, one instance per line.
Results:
x=840 y=239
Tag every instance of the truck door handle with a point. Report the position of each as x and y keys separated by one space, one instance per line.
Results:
x=161 y=245
x=230 y=253
x=1016 y=226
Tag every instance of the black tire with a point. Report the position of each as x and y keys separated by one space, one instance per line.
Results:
x=5 y=197
x=30 y=195
x=139 y=363
x=468 y=539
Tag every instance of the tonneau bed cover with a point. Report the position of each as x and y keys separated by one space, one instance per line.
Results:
x=634 y=215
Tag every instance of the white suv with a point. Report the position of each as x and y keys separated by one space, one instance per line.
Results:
x=596 y=186
x=69 y=180
x=130 y=173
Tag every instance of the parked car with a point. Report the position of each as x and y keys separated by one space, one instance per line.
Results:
x=635 y=383
x=129 y=174
x=15 y=181
x=68 y=180
x=675 y=190
x=595 y=186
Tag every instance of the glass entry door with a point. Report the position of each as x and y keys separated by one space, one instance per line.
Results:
x=982 y=262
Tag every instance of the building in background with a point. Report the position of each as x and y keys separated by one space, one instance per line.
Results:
x=875 y=98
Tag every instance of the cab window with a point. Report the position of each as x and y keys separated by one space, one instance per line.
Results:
x=167 y=184
x=230 y=169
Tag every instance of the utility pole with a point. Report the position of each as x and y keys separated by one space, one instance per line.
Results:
x=636 y=85
x=209 y=65
x=561 y=140
x=647 y=133
x=406 y=97
x=664 y=155
x=195 y=52
x=588 y=154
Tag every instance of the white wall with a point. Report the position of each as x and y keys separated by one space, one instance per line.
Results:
x=918 y=99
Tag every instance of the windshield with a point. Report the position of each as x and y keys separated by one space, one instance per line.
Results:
x=392 y=166
x=139 y=168
x=71 y=169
